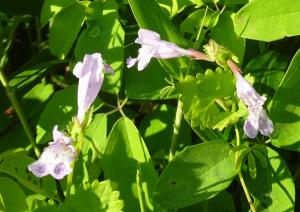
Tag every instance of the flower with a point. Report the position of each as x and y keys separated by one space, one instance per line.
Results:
x=257 y=119
x=91 y=76
x=56 y=158
x=153 y=46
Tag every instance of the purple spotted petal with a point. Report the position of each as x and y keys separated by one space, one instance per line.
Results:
x=39 y=168
x=265 y=124
x=60 y=171
x=56 y=158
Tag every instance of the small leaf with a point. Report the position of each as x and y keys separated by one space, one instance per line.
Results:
x=196 y=174
x=251 y=166
x=262 y=159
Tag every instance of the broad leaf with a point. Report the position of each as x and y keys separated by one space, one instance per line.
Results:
x=12 y=197
x=59 y=111
x=65 y=28
x=268 y=21
x=285 y=109
x=126 y=153
x=157 y=130
x=51 y=8
x=138 y=86
x=231 y=41
x=268 y=70
x=196 y=174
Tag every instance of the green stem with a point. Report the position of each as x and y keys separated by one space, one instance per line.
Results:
x=79 y=144
x=244 y=186
x=16 y=105
x=177 y=124
x=140 y=189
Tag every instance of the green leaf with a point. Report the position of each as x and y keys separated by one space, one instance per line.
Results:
x=94 y=145
x=268 y=70
x=266 y=21
x=99 y=197
x=199 y=96
x=33 y=70
x=285 y=108
x=157 y=130
x=171 y=8
x=138 y=86
x=65 y=28
x=104 y=34
x=143 y=13
x=51 y=8
x=251 y=165
x=196 y=174
x=12 y=197
x=36 y=98
x=126 y=153
x=231 y=41
x=273 y=187
x=59 y=111
x=14 y=163
x=193 y=22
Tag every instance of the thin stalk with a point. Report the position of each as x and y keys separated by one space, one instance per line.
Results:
x=139 y=189
x=16 y=105
x=244 y=186
x=177 y=125
x=197 y=42
x=78 y=147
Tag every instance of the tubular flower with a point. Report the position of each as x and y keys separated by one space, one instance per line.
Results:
x=153 y=46
x=91 y=76
x=56 y=158
x=257 y=119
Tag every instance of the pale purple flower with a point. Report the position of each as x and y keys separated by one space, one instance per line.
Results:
x=153 y=46
x=257 y=119
x=91 y=76
x=56 y=158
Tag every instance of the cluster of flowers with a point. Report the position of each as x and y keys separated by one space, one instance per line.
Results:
x=58 y=156
x=60 y=153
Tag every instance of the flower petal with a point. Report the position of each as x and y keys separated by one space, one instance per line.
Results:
x=146 y=37
x=60 y=171
x=39 y=168
x=265 y=124
x=250 y=130
x=145 y=55
x=131 y=62
x=60 y=137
